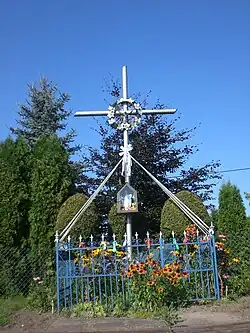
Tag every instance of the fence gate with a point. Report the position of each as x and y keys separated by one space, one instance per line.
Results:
x=95 y=272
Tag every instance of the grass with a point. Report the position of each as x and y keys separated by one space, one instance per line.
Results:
x=93 y=310
x=9 y=306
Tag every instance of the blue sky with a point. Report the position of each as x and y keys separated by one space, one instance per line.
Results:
x=194 y=55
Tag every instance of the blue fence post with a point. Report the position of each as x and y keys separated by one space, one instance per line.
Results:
x=215 y=265
x=161 y=249
x=57 y=272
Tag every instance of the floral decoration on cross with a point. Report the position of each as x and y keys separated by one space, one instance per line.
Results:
x=124 y=119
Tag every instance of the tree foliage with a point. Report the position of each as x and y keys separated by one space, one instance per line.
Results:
x=173 y=219
x=232 y=212
x=14 y=192
x=87 y=224
x=248 y=196
x=164 y=150
x=117 y=223
x=51 y=180
x=44 y=115
x=231 y=218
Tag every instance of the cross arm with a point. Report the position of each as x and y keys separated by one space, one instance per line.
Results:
x=105 y=113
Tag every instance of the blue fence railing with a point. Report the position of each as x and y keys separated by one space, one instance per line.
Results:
x=92 y=272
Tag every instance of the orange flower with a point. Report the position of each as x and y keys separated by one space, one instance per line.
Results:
x=142 y=271
x=142 y=265
x=130 y=274
x=185 y=275
x=174 y=275
x=165 y=270
x=154 y=262
x=132 y=267
x=176 y=264
x=151 y=283
x=160 y=290
x=178 y=276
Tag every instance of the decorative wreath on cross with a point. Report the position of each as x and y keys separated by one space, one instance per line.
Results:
x=124 y=119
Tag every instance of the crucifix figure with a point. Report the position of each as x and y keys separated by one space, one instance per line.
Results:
x=125 y=114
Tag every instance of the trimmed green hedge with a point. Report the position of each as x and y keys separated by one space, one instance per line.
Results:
x=87 y=224
x=173 y=219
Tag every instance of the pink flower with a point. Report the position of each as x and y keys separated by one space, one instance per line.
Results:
x=222 y=236
x=226 y=276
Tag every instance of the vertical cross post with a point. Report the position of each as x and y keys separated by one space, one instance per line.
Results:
x=132 y=110
x=125 y=145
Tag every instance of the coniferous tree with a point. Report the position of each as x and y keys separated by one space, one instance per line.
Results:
x=164 y=151
x=14 y=192
x=51 y=180
x=45 y=114
x=231 y=217
x=14 y=207
x=248 y=196
x=232 y=212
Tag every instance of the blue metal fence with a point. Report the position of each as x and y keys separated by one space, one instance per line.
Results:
x=94 y=272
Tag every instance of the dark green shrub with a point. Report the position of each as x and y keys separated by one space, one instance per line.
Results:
x=173 y=219
x=87 y=224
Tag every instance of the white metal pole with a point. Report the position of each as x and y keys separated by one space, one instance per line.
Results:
x=125 y=145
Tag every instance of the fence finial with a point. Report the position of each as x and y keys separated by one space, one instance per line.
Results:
x=69 y=238
x=147 y=234
x=80 y=238
x=173 y=234
x=114 y=237
x=160 y=235
x=211 y=229
x=125 y=240
x=91 y=238
x=136 y=235
x=57 y=237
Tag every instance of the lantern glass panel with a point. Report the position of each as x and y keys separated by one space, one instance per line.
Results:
x=127 y=200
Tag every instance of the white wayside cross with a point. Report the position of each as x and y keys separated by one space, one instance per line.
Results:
x=125 y=114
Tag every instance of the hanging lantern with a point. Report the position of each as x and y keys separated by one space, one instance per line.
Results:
x=127 y=200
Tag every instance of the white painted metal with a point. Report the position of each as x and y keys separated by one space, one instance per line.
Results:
x=127 y=173
x=186 y=210
x=105 y=113
x=126 y=159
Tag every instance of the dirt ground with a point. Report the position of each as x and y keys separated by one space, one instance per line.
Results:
x=227 y=317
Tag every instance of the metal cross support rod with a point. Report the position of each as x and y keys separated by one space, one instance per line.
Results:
x=105 y=113
x=123 y=112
